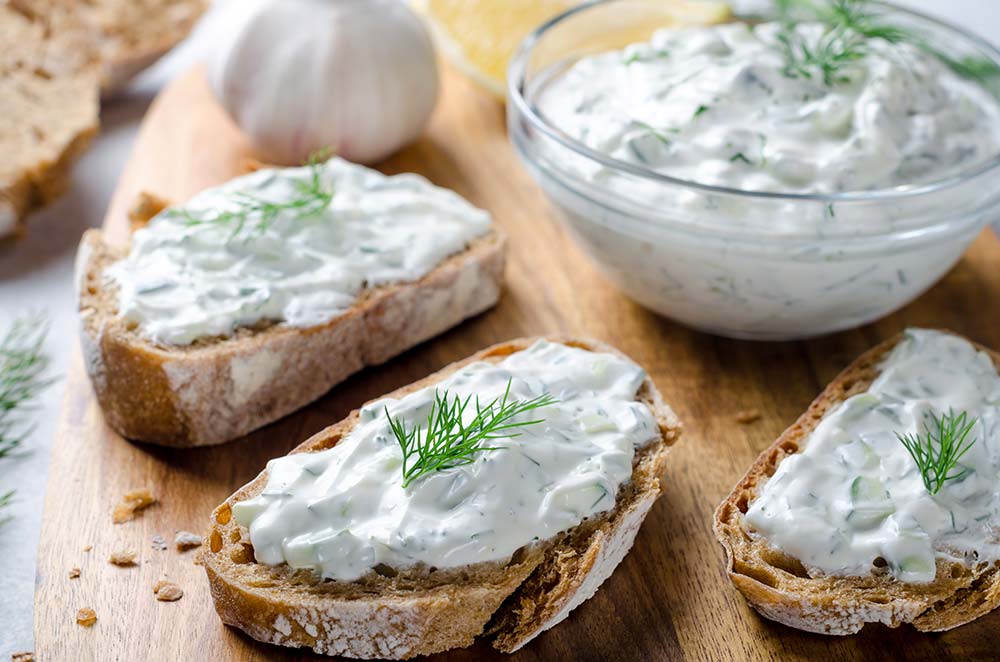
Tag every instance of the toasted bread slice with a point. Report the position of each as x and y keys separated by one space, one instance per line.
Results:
x=779 y=587
x=218 y=389
x=416 y=611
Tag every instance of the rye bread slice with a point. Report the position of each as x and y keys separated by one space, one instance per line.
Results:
x=779 y=587
x=401 y=613
x=218 y=389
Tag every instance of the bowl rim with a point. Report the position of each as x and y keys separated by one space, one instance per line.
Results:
x=517 y=71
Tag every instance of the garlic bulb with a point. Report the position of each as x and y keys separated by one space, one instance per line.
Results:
x=358 y=77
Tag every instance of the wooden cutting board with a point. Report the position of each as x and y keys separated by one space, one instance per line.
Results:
x=670 y=599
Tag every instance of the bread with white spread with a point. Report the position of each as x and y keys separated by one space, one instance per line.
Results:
x=402 y=612
x=223 y=385
x=783 y=588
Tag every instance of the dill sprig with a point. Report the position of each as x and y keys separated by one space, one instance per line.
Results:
x=850 y=25
x=940 y=447
x=22 y=367
x=311 y=199
x=447 y=442
x=22 y=378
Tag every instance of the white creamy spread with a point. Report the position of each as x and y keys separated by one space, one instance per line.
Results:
x=182 y=280
x=716 y=105
x=854 y=494
x=343 y=511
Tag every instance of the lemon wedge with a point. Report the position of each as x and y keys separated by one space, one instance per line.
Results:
x=480 y=36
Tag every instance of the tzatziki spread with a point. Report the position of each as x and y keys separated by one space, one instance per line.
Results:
x=717 y=105
x=854 y=497
x=719 y=187
x=204 y=270
x=343 y=511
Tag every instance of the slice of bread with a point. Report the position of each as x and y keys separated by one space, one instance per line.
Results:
x=779 y=587
x=124 y=36
x=218 y=389
x=49 y=105
x=404 y=612
x=58 y=56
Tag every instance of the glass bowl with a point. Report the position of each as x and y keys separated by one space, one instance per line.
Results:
x=737 y=263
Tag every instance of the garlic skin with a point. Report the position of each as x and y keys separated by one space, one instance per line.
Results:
x=358 y=77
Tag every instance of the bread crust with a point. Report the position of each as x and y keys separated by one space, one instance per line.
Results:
x=418 y=612
x=216 y=390
x=780 y=588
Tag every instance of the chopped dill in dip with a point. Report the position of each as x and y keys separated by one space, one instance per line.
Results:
x=741 y=106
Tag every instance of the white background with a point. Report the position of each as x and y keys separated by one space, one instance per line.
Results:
x=35 y=274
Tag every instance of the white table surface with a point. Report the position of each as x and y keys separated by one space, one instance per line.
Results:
x=36 y=274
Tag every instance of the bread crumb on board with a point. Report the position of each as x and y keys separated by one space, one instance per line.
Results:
x=748 y=416
x=86 y=617
x=24 y=656
x=159 y=543
x=145 y=207
x=186 y=540
x=74 y=573
x=167 y=591
x=123 y=557
x=88 y=548
x=132 y=503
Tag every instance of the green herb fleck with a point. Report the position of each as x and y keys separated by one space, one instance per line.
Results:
x=447 y=442
x=940 y=447
x=740 y=156
x=702 y=109
x=659 y=134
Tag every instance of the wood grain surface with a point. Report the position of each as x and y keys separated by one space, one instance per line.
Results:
x=669 y=600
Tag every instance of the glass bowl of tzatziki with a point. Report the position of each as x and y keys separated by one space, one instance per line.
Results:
x=780 y=175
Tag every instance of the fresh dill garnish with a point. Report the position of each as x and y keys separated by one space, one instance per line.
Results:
x=940 y=447
x=447 y=442
x=740 y=156
x=311 y=199
x=22 y=367
x=849 y=26
x=22 y=378
x=702 y=109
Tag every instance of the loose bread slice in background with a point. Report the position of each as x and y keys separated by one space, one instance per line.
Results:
x=56 y=58
x=49 y=105
x=780 y=588
x=218 y=389
x=125 y=36
x=402 y=613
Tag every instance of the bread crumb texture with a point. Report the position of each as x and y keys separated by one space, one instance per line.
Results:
x=167 y=591
x=132 y=503
x=74 y=573
x=123 y=558
x=23 y=656
x=186 y=540
x=86 y=617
